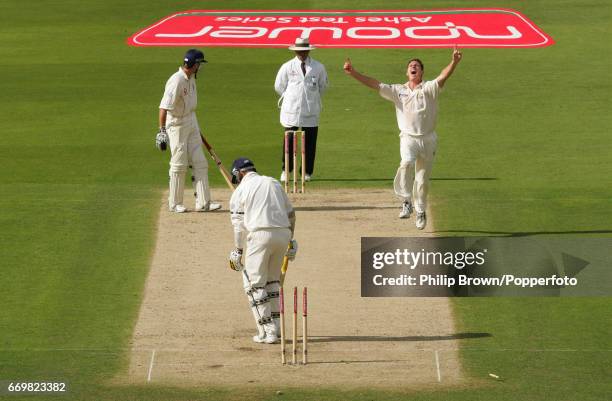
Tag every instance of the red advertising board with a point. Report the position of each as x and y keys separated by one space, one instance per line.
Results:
x=490 y=27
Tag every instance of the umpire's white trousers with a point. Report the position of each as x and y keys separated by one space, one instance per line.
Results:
x=411 y=182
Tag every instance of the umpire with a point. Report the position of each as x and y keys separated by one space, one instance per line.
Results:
x=300 y=83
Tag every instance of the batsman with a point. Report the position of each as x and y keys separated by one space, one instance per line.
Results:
x=178 y=126
x=263 y=220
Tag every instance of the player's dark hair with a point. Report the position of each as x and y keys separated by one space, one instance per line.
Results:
x=418 y=61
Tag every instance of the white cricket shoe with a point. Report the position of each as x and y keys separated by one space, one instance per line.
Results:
x=283 y=177
x=208 y=207
x=266 y=339
x=421 y=220
x=178 y=209
x=406 y=210
x=307 y=178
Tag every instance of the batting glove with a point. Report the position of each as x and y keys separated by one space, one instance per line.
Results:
x=161 y=139
x=235 y=260
x=292 y=250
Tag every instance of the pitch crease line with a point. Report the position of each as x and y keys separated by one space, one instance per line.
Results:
x=438 y=366
x=151 y=366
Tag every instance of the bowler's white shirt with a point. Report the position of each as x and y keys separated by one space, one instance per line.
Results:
x=416 y=109
x=180 y=98
x=301 y=94
x=259 y=202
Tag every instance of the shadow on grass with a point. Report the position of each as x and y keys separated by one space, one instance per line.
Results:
x=391 y=179
x=458 y=336
x=464 y=179
x=354 y=180
x=346 y=361
x=340 y=208
x=524 y=233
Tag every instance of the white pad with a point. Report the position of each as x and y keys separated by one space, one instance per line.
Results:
x=199 y=166
x=273 y=290
x=260 y=330
x=177 y=184
x=404 y=181
x=201 y=188
x=260 y=306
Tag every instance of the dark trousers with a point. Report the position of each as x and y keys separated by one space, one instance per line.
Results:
x=310 y=133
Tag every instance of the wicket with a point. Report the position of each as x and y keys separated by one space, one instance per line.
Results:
x=293 y=136
x=305 y=326
x=294 y=331
x=282 y=325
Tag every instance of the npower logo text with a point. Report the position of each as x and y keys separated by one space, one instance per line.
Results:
x=347 y=28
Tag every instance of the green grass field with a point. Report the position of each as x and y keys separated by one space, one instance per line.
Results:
x=523 y=150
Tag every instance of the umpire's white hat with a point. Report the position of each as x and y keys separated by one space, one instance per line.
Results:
x=301 y=44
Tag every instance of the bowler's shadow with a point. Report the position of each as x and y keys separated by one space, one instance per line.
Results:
x=458 y=336
x=407 y=359
x=339 y=208
x=390 y=180
x=524 y=233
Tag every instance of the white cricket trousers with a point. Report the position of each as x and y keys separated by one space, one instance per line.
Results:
x=186 y=146
x=411 y=182
x=186 y=149
x=265 y=251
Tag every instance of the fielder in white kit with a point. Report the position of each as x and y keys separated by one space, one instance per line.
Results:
x=178 y=125
x=416 y=109
x=263 y=216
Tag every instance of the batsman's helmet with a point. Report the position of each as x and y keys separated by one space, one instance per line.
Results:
x=192 y=57
x=241 y=164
